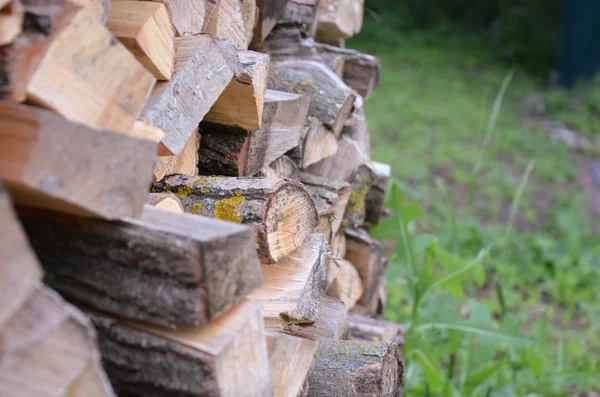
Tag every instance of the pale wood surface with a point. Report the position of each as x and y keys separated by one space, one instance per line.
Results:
x=283 y=167
x=185 y=163
x=347 y=285
x=165 y=201
x=11 y=21
x=233 y=20
x=332 y=322
x=187 y=16
x=365 y=254
x=339 y=19
x=375 y=329
x=317 y=143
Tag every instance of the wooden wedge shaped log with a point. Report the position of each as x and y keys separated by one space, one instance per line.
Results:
x=331 y=324
x=331 y=99
x=346 y=285
x=302 y=14
x=224 y=358
x=233 y=20
x=188 y=16
x=292 y=289
x=365 y=254
x=356 y=368
x=236 y=152
x=145 y=29
x=283 y=167
x=12 y=14
x=269 y=13
x=290 y=359
x=280 y=210
x=241 y=104
x=49 y=349
x=48 y=161
x=376 y=195
x=316 y=144
x=204 y=67
x=20 y=273
x=164 y=268
x=339 y=19
x=185 y=163
x=165 y=201
x=375 y=329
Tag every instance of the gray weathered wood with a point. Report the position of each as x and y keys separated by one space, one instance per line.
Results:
x=375 y=329
x=316 y=144
x=283 y=167
x=376 y=195
x=331 y=324
x=290 y=358
x=365 y=254
x=270 y=11
x=165 y=201
x=302 y=14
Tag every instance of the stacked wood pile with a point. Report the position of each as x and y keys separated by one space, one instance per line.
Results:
x=195 y=179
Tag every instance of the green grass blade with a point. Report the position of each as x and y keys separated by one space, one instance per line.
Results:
x=476 y=330
x=517 y=200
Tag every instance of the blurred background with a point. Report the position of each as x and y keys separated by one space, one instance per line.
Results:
x=489 y=113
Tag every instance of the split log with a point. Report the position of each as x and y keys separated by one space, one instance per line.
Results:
x=280 y=210
x=338 y=245
x=145 y=29
x=241 y=104
x=376 y=305
x=20 y=272
x=365 y=254
x=234 y=20
x=188 y=16
x=165 y=201
x=300 y=14
x=185 y=163
x=375 y=329
x=331 y=99
x=292 y=289
x=331 y=324
x=47 y=161
x=178 y=105
x=357 y=128
x=224 y=358
x=290 y=359
x=376 y=195
x=347 y=285
x=331 y=198
x=236 y=152
x=164 y=268
x=317 y=143
x=283 y=167
x=11 y=20
x=339 y=19
x=49 y=349
x=269 y=13
x=356 y=368
x=361 y=72
x=88 y=76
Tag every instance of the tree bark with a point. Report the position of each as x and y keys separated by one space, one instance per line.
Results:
x=290 y=359
x=376 y=195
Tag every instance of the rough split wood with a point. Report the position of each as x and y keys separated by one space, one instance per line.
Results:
x=332 y=322
x=317 y=143
x=233 y=20
x=188 y=16
x=48 y=161
x=376 y=194
x=339 y=19
x=280 y=210
x=165 y=201
x=302 y=14
x=224 y=358
x=164 y=268
x=347 y=285
x=365 y=254
x=185 y=163
x=269 y=13
x=356 y=127
x=283 y=167
x=375 y=329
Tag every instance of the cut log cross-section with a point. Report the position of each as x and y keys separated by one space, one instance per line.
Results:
x=224 y=358
x=145 y=29
x=331 y=324
x=236 y=152
x=165 y=268
x=47 y=161
x=280 y=210
x=165 y=201
x=356 y=368
x=290 y=358
x=283 y=167
x=292 y=289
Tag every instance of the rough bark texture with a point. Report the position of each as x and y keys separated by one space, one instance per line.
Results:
x=299 y=14
x=365 y=254
x=165 y=268
x=224 y=358
x=356 y=368
x=376 y=194
x=280 y=210
x=331 y=324
x=375 y=329
x=49 y=349
x=316 y=144
x=290 y=358
x=331 y=99
x=269 y=13
x=283 y=167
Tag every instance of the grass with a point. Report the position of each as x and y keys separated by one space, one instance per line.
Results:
x=428 y=120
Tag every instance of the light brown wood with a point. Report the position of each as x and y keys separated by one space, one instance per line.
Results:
x=283 y=167
x=188 y=16
x=376 y=195
x=332 y=323
x=376 y=305
x=165 y=268
x=11 y=21
x=224 y=358
x=290 y=359
x=145 y=29
x=292 y=289
x=241 y=104
x=356 y=127
x=20 y=272
x=234 y=20
x=88 y=76
x=99 y=8
x=178 y=105
x=186 y=163
x=49 y=349
x=338 y=245
x=375 y=329
x=365 y=254
x=47 y=161
x=302 y=14
x=280 y=210
x=269 y=13
x=339 y=19
x=347 y=285
x=317 y=143
x=165 y=201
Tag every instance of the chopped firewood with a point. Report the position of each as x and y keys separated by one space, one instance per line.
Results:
x=339 y=19
x=233 y=20
x=188 y=16
x=376 y=305
x=165 y=268
x=375 y=329
x=269 y=13
x=347 y=285
x=48 y=161
x=318 y=143
x=11 y=20
x=88 y=76
x=338 y=245
x=49 y=349
x=20 y=272
x=283 y=167
x=365 y=254
x=361 y=72
x=241 y=104
x=361 y=182
x=186 y=163
x=145 y=29
x=331 y=198
x=165 y=201
x=225 y=358
x=99 y=8
x=302 y=14
x=290 y=359
x=356 y=368
x=331 y=324
x=236 y=152
x=280 y=210
x=331 y=99
x=356 y=127
x=376 y=194
x=339 y=43
x=177 y=106
x=292 y=289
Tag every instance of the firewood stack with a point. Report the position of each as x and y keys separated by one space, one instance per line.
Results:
x=194 y=178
